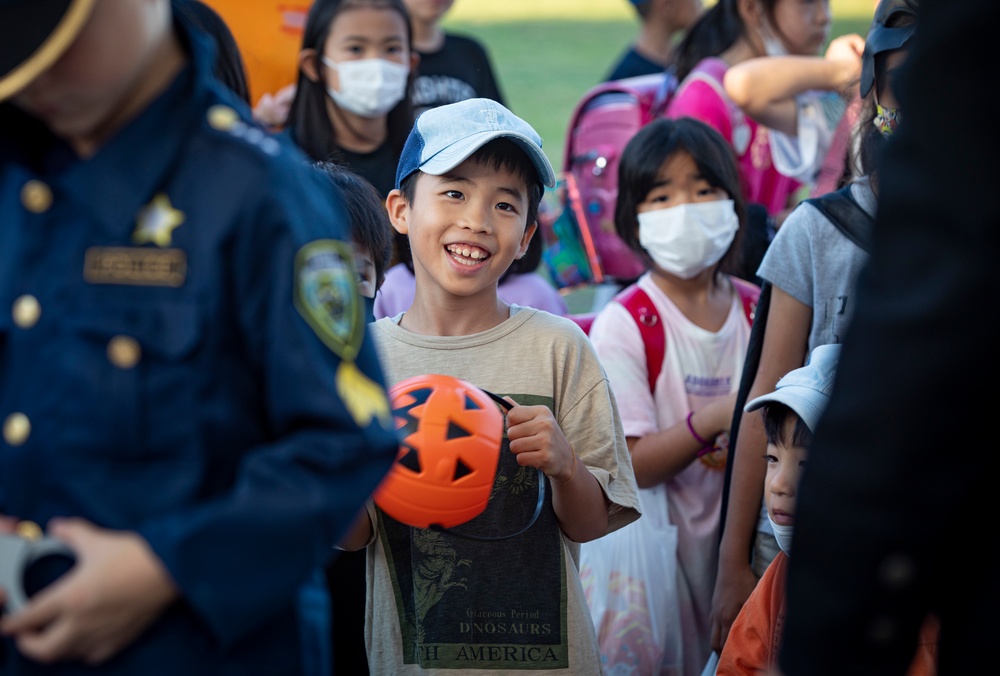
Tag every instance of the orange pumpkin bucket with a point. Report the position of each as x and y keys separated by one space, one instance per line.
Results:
x=447 y=462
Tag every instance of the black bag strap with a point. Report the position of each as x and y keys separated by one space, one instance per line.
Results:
x=750 y=364
x=841 y=209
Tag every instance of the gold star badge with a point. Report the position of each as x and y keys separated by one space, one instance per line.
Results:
x=156 y=222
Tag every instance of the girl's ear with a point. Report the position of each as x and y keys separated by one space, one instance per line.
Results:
x=755 y=22
x=751 y=11
x=399 y=211
x=308 y=59
x=414 y=60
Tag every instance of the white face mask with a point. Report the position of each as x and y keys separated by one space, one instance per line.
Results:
x=783 y=534
x=370 y=87
x=686 y=239
x=773 y=46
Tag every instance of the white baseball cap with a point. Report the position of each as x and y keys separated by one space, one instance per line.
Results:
x=805 y=390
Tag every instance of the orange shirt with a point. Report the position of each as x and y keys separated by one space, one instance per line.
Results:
x=269 y=34
x=752 y=646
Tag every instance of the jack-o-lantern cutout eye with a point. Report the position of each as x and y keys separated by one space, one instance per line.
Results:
x=451 y=433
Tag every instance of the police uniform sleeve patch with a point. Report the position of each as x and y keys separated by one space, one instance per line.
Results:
x=326 y=295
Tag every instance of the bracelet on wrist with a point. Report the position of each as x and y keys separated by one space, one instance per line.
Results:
x=706 y=445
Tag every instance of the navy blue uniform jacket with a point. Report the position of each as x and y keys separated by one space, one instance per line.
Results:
x=183 y=354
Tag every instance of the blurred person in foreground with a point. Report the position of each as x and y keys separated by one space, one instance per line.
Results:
x=919 y=352
x=189 y=400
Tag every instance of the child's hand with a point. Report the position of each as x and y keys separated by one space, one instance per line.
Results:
x=848 y=47
x=537 y=441
x=116 y=589
x=847 y=50
x=272 y=110
x=579 y=502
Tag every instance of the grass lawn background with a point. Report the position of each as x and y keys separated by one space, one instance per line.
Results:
x=547 y=53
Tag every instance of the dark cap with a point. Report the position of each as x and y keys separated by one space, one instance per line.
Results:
x=881 y=38
x=33 y=35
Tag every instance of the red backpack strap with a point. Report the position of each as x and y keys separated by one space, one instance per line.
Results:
x=748 y=293
x=654 y=337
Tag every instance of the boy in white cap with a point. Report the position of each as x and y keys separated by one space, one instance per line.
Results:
x=468 y=185
x=790 y=415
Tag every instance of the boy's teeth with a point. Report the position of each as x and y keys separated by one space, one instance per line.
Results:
x=474 y=254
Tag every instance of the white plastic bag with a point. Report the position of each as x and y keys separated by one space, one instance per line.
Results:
x=630 y=579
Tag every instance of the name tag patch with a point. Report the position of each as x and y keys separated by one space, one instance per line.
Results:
x=135 y=266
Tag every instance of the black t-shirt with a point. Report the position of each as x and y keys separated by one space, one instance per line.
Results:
x=378 y=166
x=633 y=63
x=458 y=71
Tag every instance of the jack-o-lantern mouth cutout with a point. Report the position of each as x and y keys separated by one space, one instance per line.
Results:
x=451 y=437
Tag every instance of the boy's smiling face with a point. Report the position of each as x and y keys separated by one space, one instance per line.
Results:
x=465 y=229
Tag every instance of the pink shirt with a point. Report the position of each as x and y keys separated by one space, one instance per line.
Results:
x=702 y=97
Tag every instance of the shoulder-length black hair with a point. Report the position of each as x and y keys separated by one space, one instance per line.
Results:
x=229 y=67
x=640 y=165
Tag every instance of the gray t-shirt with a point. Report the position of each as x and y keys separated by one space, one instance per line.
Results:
x=812 y=261
x=440 y=604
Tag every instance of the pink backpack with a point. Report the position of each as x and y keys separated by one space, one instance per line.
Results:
x=604 y=120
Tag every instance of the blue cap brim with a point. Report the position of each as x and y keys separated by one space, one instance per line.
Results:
x=459 y=152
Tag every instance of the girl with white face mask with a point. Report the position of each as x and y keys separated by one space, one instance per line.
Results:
x=352 y=99
x=680 y=207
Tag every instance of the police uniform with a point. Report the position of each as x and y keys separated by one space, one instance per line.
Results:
x=183 y=354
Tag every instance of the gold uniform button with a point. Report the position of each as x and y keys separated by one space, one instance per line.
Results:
x=222 y=118
x=29 y=530
x=26 y=311
x=124 y=351
x=36 y=197
x=16 y=429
